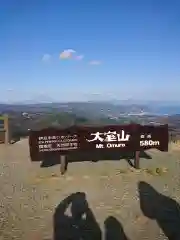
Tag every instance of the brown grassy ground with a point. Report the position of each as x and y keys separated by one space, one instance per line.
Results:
x=143 y=203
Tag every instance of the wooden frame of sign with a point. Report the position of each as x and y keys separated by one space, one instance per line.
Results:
x=63 y=164
x=4 y=129
x=124 y=138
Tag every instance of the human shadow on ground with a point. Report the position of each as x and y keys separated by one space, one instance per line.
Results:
x=80 y=223
x=52 y=159
x=73 y=219
x=163 y=209
x=114 y=230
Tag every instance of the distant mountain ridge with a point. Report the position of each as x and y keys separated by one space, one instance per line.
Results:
x=97 y=107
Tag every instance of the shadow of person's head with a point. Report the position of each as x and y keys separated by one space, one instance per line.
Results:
x=79 y=205
x=149 y=199
x=113 y=229
x=163 y=209
x=73 y=219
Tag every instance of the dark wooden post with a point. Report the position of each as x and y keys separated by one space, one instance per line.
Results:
x=136 y=160
x=63 y=164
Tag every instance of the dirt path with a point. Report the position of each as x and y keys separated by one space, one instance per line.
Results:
x=29 y=194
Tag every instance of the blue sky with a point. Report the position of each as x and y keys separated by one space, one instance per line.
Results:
x=70 y=50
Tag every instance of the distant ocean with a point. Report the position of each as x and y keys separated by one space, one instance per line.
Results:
x=172 y=110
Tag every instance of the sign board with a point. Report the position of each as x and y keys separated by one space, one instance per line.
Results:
x=132 y=137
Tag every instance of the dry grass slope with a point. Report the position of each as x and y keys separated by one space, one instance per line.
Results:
x=30 y=195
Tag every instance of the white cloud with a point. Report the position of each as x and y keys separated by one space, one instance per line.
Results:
x=95 y=62
x=46 y=57
x=66 y=54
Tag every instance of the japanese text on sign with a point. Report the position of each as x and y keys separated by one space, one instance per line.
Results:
x=109 y=137
x=145 y=140
x=57 y=143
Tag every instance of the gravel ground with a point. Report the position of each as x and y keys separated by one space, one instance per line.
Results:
x=126 y=204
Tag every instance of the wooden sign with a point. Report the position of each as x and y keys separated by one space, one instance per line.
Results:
x=131 y=138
